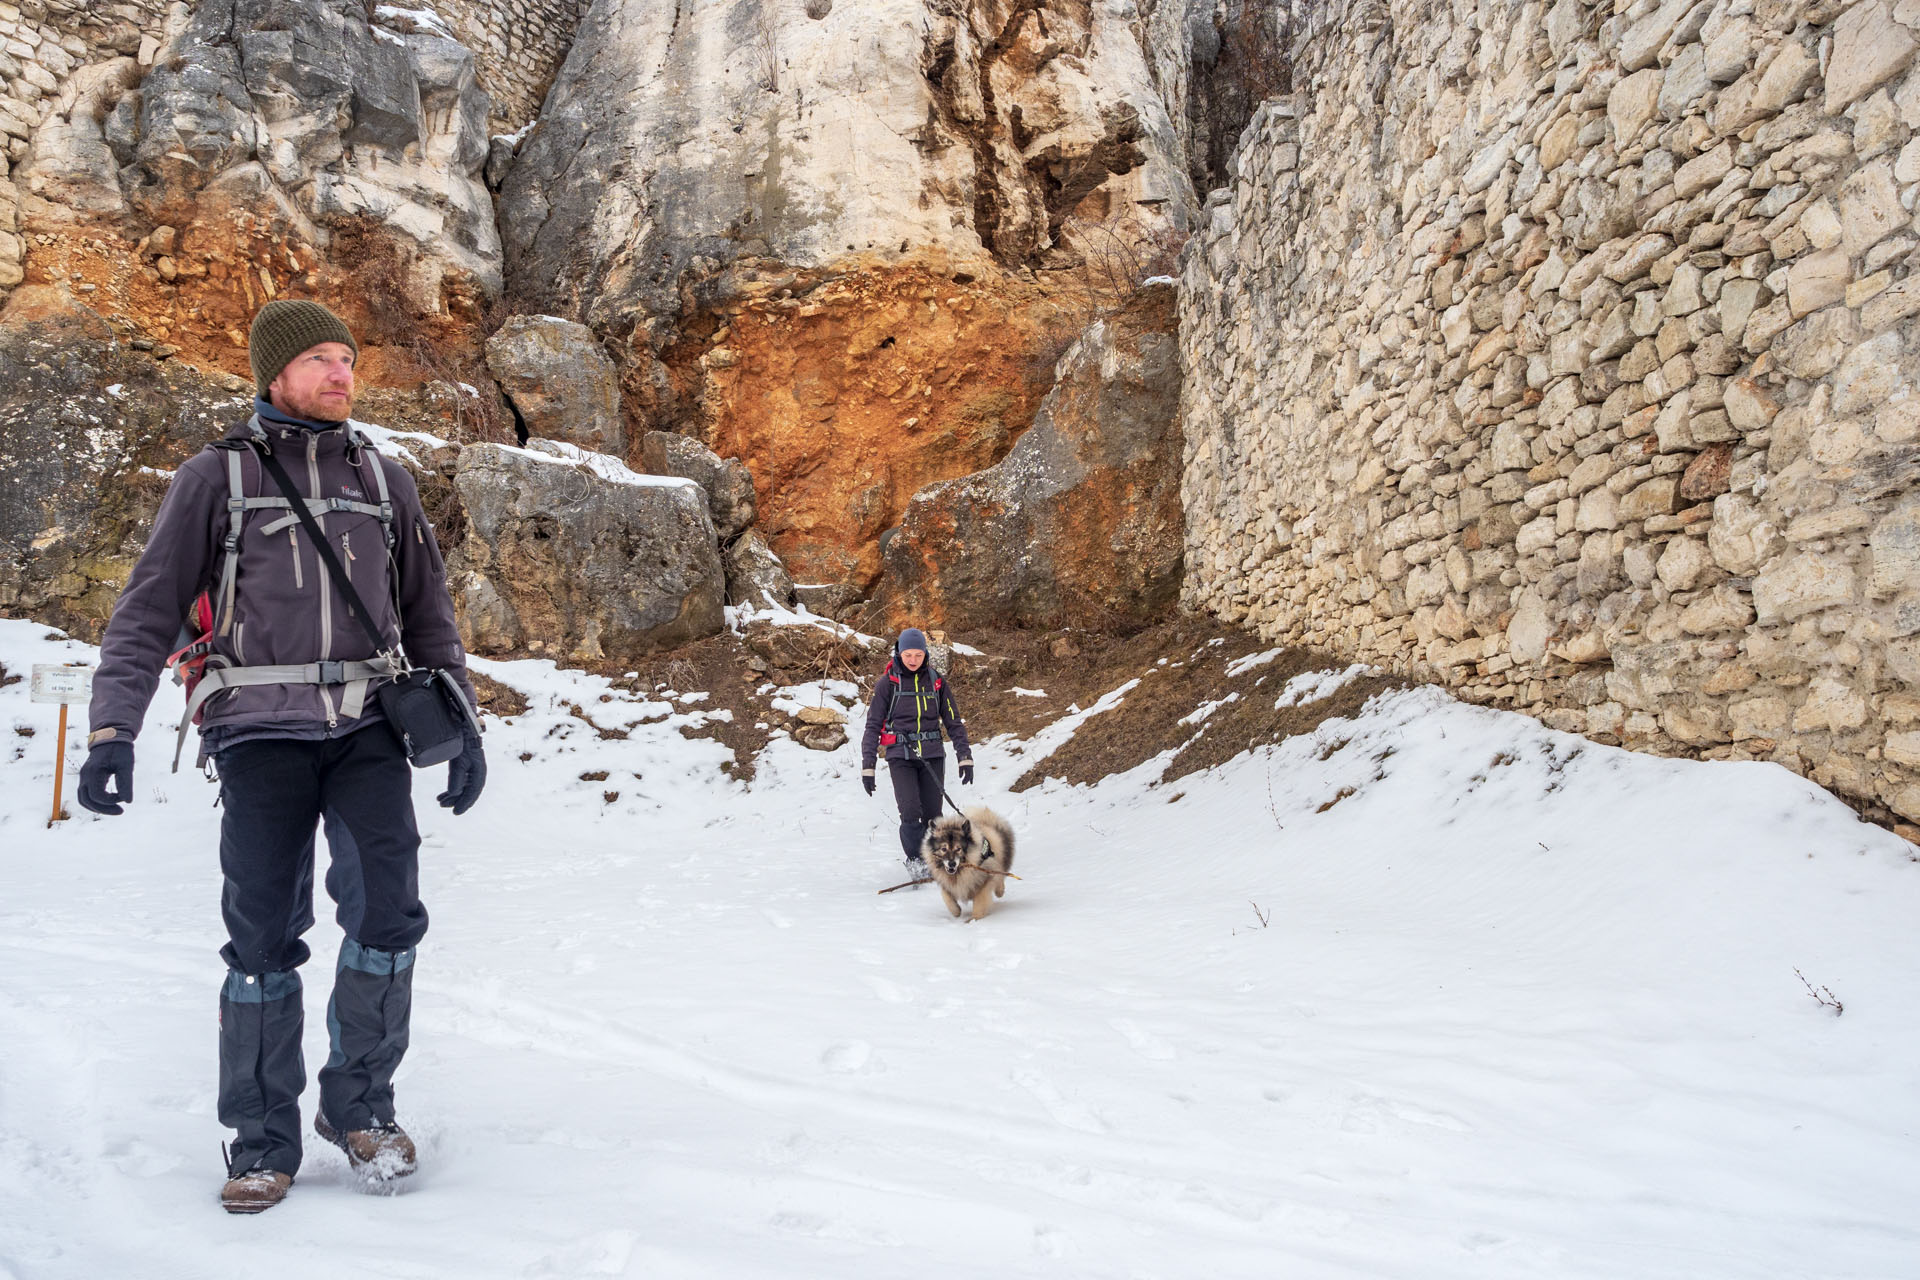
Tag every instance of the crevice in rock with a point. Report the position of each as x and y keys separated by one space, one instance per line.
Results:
x=520 y=432
x=940 y=61
x=1240 y=59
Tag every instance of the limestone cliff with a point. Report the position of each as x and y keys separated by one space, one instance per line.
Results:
x=843 y=247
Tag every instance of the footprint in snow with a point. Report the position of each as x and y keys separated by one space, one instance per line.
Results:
x=1051 y=1242
x=891 y=992
x=605 y=1253
x=1367 y=1112
x=1144 y=1042
x=1065 y=1111
x=851 y=1057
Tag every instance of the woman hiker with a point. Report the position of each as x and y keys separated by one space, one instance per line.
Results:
x=911 y=702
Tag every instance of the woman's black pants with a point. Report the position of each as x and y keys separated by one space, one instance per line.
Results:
x=917 y=787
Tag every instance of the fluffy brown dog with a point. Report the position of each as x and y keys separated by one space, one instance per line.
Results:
x=964 y=853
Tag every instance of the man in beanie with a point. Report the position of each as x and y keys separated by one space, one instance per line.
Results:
x=302 y=743
x=911 y=703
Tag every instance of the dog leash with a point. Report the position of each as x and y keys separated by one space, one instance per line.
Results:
x=943 y=788
x=957 y=809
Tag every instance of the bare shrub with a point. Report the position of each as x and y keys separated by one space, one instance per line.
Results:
x=1824 y=995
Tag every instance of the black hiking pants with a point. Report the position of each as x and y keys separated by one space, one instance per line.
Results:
x=917 y=786
x=275 y=792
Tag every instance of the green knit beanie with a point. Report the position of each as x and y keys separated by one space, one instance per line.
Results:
x=285 y=328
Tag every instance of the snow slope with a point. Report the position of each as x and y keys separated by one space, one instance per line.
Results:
x=1515 y=1005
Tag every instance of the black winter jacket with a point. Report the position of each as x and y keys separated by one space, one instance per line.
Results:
x=908 y=703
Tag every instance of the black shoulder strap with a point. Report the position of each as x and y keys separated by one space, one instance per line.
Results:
x=298 y=505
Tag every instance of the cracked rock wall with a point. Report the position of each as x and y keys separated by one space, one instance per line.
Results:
x=910 y=131
x=1566 y=352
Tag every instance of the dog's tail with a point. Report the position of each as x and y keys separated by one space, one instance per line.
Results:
x=997 y=833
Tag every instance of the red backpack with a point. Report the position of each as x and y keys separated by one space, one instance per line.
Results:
x=189 y=661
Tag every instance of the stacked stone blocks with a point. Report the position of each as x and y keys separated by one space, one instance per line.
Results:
x=1566 y=353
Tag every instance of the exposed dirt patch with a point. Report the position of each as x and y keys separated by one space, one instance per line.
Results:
x=731 y=670
x=500 y=699
x=1181 y=665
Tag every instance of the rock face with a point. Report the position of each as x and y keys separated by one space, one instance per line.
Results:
x=904 y=130
x=1567 y=353
x=833 y=242
x=846 y=403
x=1081 y=524
x=808 y=232
x=726 y=482
x=559 y=381
x=308 y=107
x=178 y=167
x=570 y=554
x=89 y=433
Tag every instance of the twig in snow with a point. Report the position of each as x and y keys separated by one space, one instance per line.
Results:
x=1823 y=994
x=1273 y=806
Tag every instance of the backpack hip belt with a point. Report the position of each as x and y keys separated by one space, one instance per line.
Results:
x=355 y=675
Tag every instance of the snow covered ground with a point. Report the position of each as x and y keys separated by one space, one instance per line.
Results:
x=1515 y=1005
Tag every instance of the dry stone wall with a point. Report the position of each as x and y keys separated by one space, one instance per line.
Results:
x=1566 y=352
x=43 y=48
x=519 y=44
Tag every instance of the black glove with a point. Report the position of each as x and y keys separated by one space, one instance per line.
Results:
x=112 y=760
x=866 y=780
x=466 y=775
x=966 y=773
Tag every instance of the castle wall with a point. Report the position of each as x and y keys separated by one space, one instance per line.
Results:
x=1566 y=353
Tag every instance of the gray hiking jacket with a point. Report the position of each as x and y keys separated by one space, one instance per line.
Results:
x=286 y=610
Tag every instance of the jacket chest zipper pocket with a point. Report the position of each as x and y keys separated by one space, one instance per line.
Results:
x=293 y=541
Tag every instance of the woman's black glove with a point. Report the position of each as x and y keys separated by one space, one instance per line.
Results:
x=866 y=780
x=108 y=761
x=966 y=772
x=466 y=775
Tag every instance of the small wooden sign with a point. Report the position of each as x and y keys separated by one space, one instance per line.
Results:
x=53 y=683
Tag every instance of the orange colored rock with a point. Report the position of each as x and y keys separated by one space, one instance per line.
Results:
x=1081 y=524
x=847 y=400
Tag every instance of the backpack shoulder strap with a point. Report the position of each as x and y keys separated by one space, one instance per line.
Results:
x=372 y=455
x=236 y=518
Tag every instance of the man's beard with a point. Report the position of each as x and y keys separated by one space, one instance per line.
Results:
x=315 y=408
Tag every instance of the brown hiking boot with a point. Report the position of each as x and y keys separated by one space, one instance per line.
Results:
x=255 y=1191
x=378 y=1154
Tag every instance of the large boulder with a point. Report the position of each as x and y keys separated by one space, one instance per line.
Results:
x=1081 y=524
x=728 y=483
x=755 y=575
x=569 y=553
x=560 y=382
